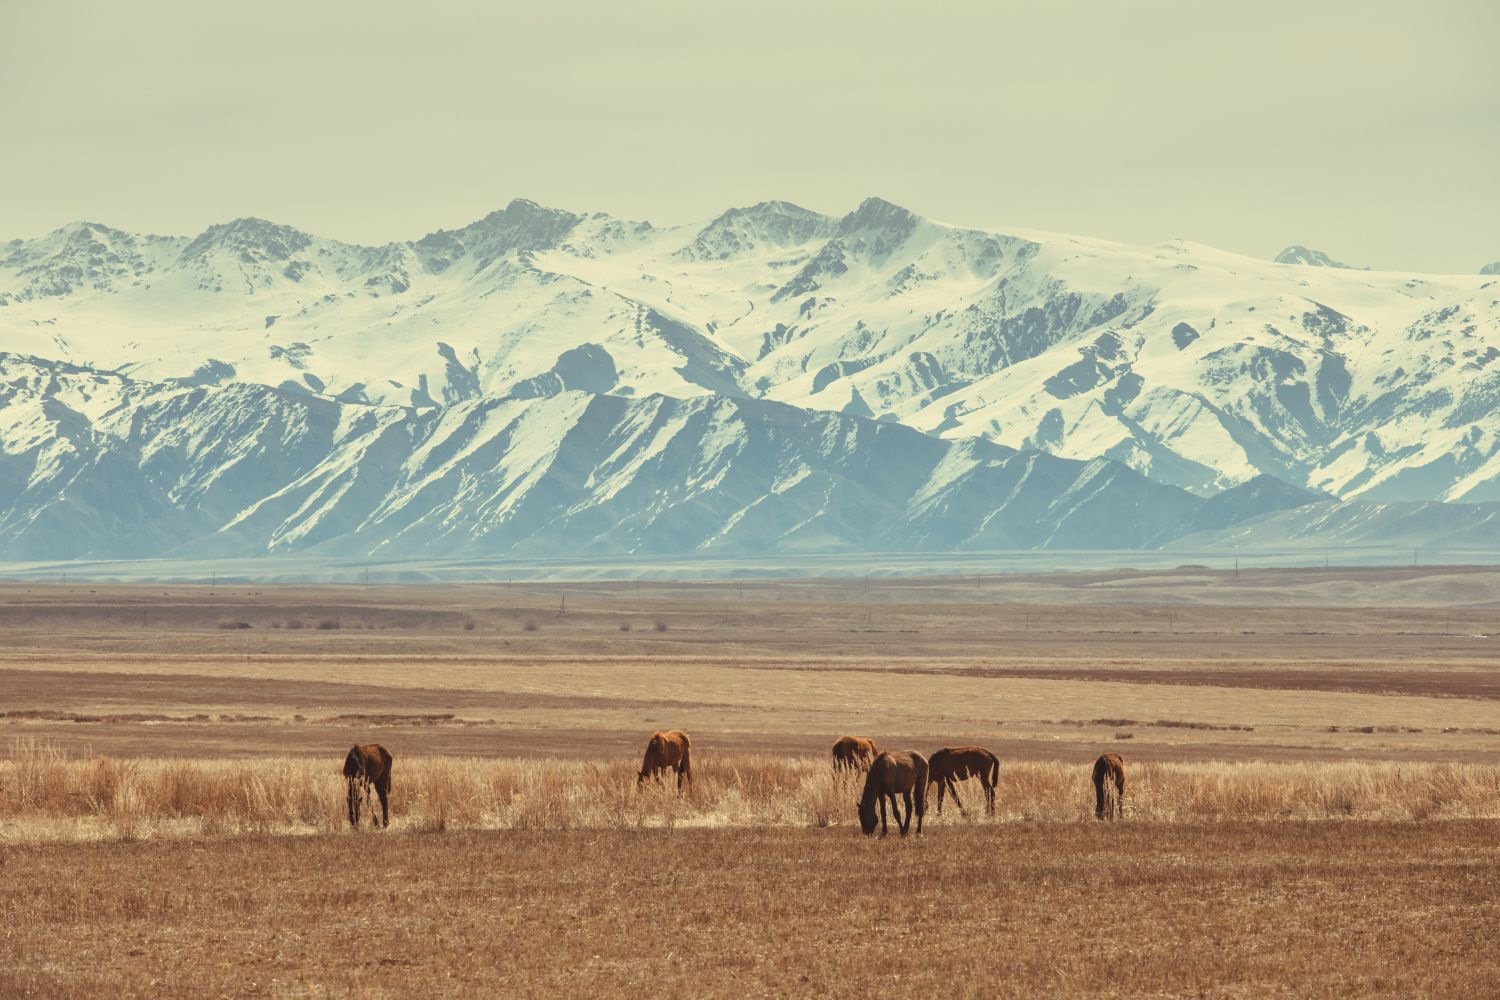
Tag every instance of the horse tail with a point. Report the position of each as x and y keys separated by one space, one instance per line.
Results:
x=994 y=772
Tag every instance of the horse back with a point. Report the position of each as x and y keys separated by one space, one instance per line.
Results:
x=668 y=749
x=898 y=771
x=963 y=762
x=370 y=761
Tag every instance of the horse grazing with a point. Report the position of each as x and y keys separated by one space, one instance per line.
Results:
x=668 y=750
x=903 y=772
x=952 y=764
x=1109 y=769
x=853 y=753
x=368 y=767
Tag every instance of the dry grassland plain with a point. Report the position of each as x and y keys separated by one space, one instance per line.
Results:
x=1313 y=801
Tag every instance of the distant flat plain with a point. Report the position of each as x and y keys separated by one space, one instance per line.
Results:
x=1270 y=664
x=1182 y=666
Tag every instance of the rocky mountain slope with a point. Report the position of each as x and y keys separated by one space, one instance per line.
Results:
x=100 y=465
x=105 y=466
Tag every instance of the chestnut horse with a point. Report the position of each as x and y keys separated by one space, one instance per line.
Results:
x=903 y=772
x=853 y=753
x=952 y=764
x=1109 y=768
x=366 y=767
x=668 y=750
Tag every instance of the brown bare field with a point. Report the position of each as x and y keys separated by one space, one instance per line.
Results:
x=1314 y=761
x=1020 y=909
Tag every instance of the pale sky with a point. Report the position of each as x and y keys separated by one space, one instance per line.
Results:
x=1369 y=130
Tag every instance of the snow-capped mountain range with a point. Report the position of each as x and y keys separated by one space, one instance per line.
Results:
x=261 y=388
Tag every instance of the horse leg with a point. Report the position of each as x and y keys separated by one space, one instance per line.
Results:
x=953 y=789
x=1120 y=796
x=383 y=788
x=353 y=801
x=882 y=816
x=940 y=797
x=989 y=797
x=906 y=824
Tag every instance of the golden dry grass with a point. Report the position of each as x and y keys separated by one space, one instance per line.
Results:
x=46 y=796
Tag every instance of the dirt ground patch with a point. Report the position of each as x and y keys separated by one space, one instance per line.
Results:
x=1240 y=910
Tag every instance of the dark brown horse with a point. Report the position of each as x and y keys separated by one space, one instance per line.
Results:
x=669 y=750
x=952 y=764
x=1109 y=769
x=853 y=753
x=367 y=767
x=901 y=773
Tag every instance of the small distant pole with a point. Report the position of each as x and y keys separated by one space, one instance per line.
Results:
x=562 y=607
x=367 y=576
x=1236 y=567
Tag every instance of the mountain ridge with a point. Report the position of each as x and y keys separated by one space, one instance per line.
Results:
x=1198 y=368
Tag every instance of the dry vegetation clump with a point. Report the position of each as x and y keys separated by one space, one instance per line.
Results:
x=47 y=796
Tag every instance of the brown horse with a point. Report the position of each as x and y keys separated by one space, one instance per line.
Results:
x=903 y=772
x=367 y=767
x=668 y=750
x=853 y=753
x=1109 y=768
x=952 y=764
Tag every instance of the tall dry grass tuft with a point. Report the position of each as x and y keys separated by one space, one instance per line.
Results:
x=45 y=795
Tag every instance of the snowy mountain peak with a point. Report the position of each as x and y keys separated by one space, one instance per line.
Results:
x=768 y=224
x=77 y=256
x=1311 y=258
x=880 y=215
x=253 y=241
x=521 y=225
x=1491 y=268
